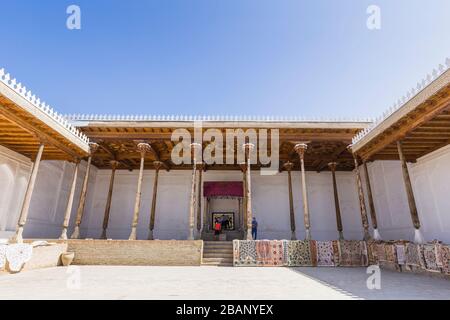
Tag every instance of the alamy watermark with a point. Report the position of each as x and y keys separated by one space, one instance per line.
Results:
x=227 y=147
x=374 y=19
x=373 y=282
x=73 y=21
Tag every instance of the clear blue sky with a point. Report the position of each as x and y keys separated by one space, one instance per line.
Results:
x=257 y=57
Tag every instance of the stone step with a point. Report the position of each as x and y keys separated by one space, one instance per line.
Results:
x=217 y=255
x=225 y=250
x=210 y=261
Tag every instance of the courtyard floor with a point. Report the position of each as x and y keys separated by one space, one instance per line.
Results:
x=107 y=282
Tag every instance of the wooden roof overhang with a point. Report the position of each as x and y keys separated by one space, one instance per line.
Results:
x=23 y=126
x=327 y=141
x=422 y=124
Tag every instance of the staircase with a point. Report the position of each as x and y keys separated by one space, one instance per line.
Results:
x=218 y=253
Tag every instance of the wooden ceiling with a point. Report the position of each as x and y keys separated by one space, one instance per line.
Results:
x=120 y=143
x=22 y=132
x=423 y=130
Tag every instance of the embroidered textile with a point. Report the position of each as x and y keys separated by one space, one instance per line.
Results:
x=299 y=253
x=401 y=254
x=17 y=255
x=352 y=253
x=269 y=253
x=413 y=256
x=325 y=253
x=429 y=254
x=247 y=253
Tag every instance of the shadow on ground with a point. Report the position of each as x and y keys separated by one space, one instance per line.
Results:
x=393 y=285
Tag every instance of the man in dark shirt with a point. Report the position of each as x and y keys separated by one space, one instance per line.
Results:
x=254 y=228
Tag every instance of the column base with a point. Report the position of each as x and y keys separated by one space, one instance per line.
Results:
x=103 y=236
x=76 y=233
x=132 y=234
x=18 y=237
x=293 y=236
x=249 y=235
x=63 y=235
x=150 y=235
x=376 y=235
x=308 y=234
x=191 y=234
x=418 y=237
x=341 y=235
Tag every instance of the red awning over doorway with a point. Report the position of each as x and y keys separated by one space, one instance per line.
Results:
x=223 y=189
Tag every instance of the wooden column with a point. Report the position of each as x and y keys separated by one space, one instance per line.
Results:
x=373 y=214
x=200 y=169
x=158 y=165
x=18 y=237
x=288 y=166
x=143 y=148
x=362 y=204
x=114 y=165
x=248 y=147
x=301 y=149
x=206 y=222
x=332 y=166
x=418 y=238
x=80 y=211
x=244 y=199
x=192 y=205
x=70 y=202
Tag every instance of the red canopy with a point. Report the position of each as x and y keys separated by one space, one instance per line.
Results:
x=223 y=189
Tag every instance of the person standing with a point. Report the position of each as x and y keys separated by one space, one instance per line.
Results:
x=254 y=228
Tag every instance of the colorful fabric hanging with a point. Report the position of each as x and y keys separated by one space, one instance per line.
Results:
x=325 y=254
x=430 y=254
x=299 y=253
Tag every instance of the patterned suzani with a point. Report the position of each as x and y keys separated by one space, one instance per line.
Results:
x=401 y=254
x=299 y=253
x=247 y=253
x=430 y=254
x=17 y=255
x=2 y=256
x=325 y=253
x=413 y=256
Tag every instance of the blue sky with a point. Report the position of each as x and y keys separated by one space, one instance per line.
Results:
x=253 y=57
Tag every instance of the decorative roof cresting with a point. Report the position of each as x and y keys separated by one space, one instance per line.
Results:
x=35 y=101
x=435 y=74
x=112 y=117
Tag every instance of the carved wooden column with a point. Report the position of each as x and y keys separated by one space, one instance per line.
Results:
x=143 y=148
x=248 y=147
x=373 y=214
x=80 y=211
x=301 y=149
x=70 y=202
x=418 y=237
x=244 y=199
x=206 y=222
x=288 y=166
x=18 y=237
x=114 y=165
x=192 y=206
x=200 y=169
x=158 y=165
x=332 y=166
x=362 y=204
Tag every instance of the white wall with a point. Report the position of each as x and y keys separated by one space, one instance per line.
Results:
x=430 y=178
x=14 y=174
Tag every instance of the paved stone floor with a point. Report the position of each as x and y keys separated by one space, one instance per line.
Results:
x=106 y=282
